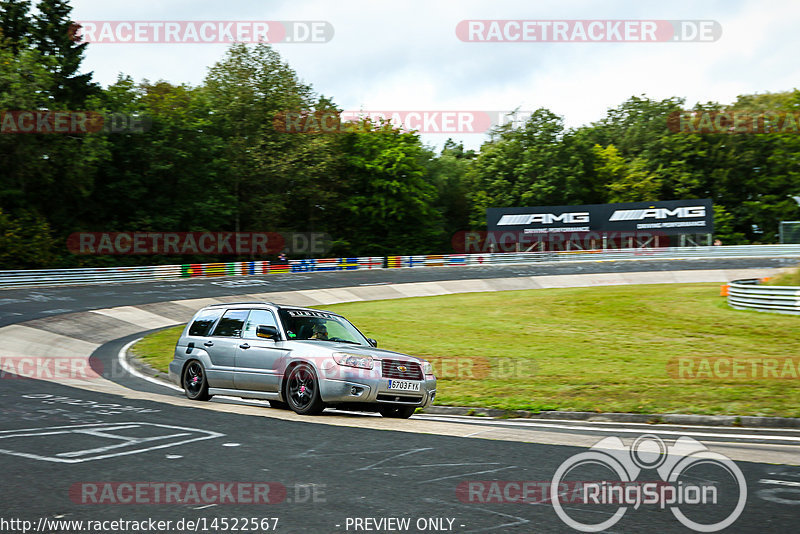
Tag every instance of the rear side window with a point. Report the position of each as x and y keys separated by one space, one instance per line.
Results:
x=231 y=323
x=202 y=323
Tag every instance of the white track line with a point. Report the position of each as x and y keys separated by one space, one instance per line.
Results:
x=493 y=422
x=534 y=426
x=535 y=421
x=125 y=365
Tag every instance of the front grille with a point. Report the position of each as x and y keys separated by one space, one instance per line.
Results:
x=385 y=397
x=390 y=369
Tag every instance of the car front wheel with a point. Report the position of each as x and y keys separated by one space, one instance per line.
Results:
x=302 y=391
x=195 y=384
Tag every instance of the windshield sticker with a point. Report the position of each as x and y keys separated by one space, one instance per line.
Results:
x=308 y=313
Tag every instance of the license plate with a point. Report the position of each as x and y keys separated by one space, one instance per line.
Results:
x=403 y=385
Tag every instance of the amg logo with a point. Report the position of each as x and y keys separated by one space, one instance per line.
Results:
x=658 y=213
x=544 y=218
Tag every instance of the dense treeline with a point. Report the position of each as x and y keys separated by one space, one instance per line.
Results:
x=212 y=159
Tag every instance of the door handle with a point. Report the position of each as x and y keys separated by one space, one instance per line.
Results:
x=209 y=343
x=244 y=346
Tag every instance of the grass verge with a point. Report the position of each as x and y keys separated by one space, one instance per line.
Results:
x=791 y=278
x=157 y=348
x=605 y=349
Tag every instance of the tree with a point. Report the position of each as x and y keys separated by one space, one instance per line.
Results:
x=625 y=182
x=167 y=178
x=25 y=242
x=15 y=24
x=448 y=174
x=245 y=91
x=539 y=163
x=24 y=84
x=53 y=34
x=388 y=200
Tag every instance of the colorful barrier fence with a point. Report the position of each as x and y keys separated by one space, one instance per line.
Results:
x=195 y=270
x=150 y=273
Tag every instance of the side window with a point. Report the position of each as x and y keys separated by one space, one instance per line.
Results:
x=203 y=321
x=231 y=323
x=256 y=318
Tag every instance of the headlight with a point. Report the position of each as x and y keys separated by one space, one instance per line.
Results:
x=427 y=368
x=353 y=360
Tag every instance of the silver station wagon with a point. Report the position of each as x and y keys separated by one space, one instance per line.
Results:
x=298 y=358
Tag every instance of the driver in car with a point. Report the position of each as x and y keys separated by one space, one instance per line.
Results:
x=319 y=331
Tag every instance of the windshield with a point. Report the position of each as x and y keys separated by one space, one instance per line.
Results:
x=315 y=325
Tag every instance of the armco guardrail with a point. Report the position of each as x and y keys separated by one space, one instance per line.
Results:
x=710 y=252
x=151 y=273
x=752 y=295
x=63 y=277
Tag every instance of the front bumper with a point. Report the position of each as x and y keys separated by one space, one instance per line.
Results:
x=360 y=389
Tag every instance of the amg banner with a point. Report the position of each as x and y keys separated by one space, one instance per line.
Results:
x=666 y=217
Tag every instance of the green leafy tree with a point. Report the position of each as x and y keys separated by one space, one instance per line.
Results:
x=539 y=163
x=388 y=199
x=448 y=174
x=25 y=242
x=166 y=178
x=724 y=225
x=53 y=34
x=245 y=91
x=15 y=24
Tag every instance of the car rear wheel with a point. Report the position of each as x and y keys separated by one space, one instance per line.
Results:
x=397 y=412
x=302 y=391
x=195 y=384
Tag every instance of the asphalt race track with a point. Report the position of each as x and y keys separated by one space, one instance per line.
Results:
x=17 y=305
x=72 y=454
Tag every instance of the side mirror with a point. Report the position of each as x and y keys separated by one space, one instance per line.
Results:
x=268 y=332
x=372 y=342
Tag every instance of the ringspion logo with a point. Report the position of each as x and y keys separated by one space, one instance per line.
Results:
x=704 y=490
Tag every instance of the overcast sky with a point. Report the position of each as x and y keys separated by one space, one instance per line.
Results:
x=406 y=55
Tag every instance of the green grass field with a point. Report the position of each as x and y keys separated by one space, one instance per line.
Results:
x=587 y=349
x=792 y=278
